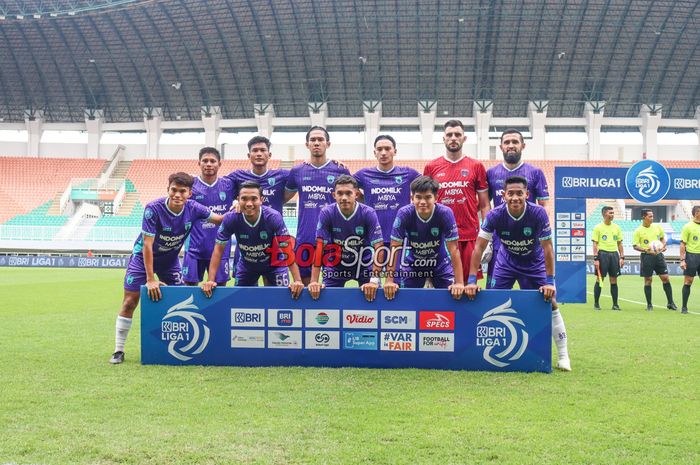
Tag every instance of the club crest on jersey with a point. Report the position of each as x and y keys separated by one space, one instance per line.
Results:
x=464 y=172
x=330 y=178
x=222 y=196
x=263 y=235
x=434 y=231
x=527 y=231
x=605 y=237
x=359 y=230
x=398 y=179
x=271 y=181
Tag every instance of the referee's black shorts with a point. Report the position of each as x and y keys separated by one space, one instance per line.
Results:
x=692 y=264
x=609 y=263
x=652 y=264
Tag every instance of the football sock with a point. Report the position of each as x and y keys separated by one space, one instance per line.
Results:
x=686 y=294
x=647 y=294
x=613 y=293
x=596 y=292
x=669 y=293
x=123 y=327
x=559 y=334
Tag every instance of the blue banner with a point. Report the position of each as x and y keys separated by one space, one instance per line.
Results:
x=646 y=181
x=420 y=328
x=570 y=249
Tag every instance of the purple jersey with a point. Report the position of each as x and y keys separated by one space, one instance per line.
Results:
x=272 y=183
x=218 y=198
x=169 y=230
x=315 y=188
x=386 y=192
x=253 y=239
x=426 y=239
x=360 y=230
x=536 y=182
x=520 y=250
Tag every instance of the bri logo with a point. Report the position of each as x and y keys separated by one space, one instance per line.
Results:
x=185 y=329
x=502 y=335
x=648 y=181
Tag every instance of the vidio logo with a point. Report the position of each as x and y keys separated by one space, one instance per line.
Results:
x=185 y=329
x=501 y=331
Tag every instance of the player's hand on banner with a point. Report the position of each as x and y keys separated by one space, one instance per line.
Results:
x=488 y=253
x=315 y=290
x=471 y=289
x=208 y=287
x=370 y=291
x=390 y=290
x=548 y=291
x=456 y=290
x=296 y=287
x=153 y=288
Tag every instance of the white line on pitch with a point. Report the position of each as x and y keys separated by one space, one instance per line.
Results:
x=636 y=302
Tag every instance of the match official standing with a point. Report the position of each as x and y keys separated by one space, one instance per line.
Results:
x=652 y=261
x=690 y=254
x=608 y=255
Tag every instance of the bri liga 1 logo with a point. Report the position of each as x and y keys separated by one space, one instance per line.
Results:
x=502 y=335
x=647 y=181
x=185 y=330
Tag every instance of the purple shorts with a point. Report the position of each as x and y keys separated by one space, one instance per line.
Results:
x=501 y=280
x=414 y=278
x=167 y=271
x=193 y=269
x=275 y=277
x=333 y=277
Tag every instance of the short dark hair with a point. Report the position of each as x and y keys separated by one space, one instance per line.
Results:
x=515 y=180
x=512 y=131
x=424 y=184
x=250 y=185
x=646 y=211
x=204 y=150
x=346 y=179
x=181 y=179
x=318 y=128
x=453 y=123
x=385 y=137
x=605 y=209
x=695 y=210
x=258 y=140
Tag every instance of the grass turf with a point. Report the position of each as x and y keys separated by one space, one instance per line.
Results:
x=632 y=397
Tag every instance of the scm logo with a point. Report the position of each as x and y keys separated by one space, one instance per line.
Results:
x=185 y=329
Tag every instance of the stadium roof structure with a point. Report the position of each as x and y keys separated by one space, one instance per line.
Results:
x=66 y=56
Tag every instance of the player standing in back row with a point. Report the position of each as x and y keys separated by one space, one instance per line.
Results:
x=512 y=146
x=217 y=195
x=314 y=181
x=463 y=188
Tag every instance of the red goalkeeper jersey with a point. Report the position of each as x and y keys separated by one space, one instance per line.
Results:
x=459 y=183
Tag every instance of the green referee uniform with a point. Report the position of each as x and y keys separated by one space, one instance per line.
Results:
x=607 y=237
x=652 y=263
x=690 y=237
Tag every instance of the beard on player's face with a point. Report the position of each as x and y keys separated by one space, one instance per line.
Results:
x=513 y=157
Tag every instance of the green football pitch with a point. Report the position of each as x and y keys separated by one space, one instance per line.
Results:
x=633 y=397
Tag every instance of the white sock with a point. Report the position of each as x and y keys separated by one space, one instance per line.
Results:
x=123 y=327
x=559 y=334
